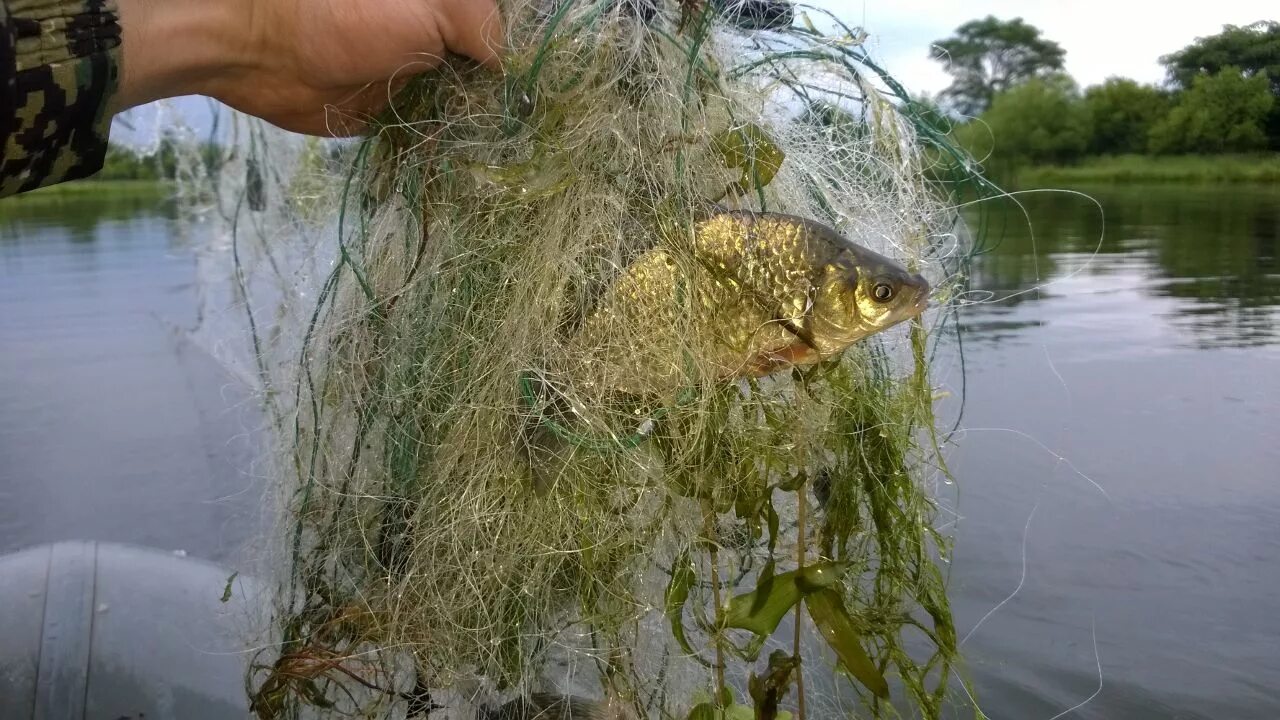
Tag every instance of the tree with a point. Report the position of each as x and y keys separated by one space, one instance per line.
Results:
x=989 y=56
x=1121 y=113
x=1253 y=49
x=1225 y=112
x=1040 y=121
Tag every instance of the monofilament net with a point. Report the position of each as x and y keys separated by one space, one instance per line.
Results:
x=705 y=548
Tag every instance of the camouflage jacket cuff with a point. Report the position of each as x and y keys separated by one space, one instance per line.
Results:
x=59 y=65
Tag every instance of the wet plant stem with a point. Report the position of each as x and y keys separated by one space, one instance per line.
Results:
x=801 y=511
x=713 y=544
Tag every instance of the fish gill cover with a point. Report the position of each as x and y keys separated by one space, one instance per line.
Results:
x=599 y=387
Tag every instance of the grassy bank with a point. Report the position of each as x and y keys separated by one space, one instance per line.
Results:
x=1155 y=169
x=95 y=188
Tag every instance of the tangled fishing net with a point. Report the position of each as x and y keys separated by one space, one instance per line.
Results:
x=693 y=547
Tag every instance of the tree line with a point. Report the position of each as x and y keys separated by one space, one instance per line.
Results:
x=1012 y=103
x=123 y=162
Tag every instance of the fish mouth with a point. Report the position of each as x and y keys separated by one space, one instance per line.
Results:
x=922 y=303
x=923 y=291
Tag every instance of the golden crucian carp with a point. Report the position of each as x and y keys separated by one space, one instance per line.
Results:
x=758 y=293
x=763 y=292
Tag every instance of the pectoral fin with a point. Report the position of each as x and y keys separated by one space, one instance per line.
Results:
x=802 y=350
x=771 y=361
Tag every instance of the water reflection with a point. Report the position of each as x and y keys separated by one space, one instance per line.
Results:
x=1209 y=252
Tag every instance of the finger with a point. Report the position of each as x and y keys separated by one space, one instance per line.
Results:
x=473 y=28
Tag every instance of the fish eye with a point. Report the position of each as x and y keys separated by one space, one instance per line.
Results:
x=882 y=292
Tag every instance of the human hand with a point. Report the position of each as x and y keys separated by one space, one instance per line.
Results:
x=322 y=67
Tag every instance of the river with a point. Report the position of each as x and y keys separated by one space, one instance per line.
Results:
x=1116 y=469
x=1120 y=463
x=113 y=426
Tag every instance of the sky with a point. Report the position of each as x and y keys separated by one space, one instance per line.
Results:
x=1102 y=39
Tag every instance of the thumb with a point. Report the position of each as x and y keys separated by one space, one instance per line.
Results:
x=472 y=28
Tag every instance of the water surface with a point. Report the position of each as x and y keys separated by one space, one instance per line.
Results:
x=112 y=425
x=1121 y=457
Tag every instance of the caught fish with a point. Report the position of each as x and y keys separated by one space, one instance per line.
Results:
x=761 y=292
x=757 y=293
x=544 y=706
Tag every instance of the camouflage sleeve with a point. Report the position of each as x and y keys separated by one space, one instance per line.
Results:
x=59 y=63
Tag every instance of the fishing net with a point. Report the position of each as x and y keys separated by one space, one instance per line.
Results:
x=480 y=512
